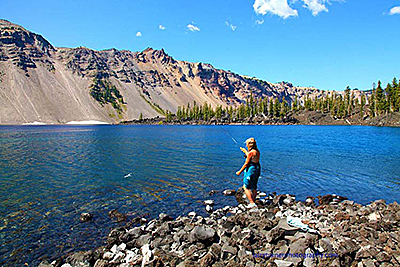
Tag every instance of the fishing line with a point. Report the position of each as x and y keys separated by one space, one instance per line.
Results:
x=233 y=139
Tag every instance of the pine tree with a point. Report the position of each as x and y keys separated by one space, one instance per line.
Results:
x=380 y=98
x=372 y=104
x=397 y=94
x=277 y=107
x=362 y=104
x=295 y=103
x=140 y=116
x=271 y=107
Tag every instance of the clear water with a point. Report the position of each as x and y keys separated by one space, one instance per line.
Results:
x=49 y=175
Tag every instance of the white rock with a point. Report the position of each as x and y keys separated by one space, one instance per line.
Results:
x=374 y=216
x=118 y=257
x=66 y=265
x=262 y=194
x=108 y=256
x=282 y=263
x=122 y=246
x=114 y=249
x=192 y=214
x=209 y=208
x=209 y=202
x=147 y=254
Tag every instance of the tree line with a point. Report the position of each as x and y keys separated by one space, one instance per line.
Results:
x=379 y=101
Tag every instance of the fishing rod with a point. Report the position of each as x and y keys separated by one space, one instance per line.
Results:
x=233 y=139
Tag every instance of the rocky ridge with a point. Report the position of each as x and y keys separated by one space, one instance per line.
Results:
x=347 y=234
x=39 y=82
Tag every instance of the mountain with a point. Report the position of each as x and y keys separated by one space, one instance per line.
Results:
x=43 y=83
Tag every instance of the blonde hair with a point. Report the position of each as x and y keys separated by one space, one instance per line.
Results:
x=251 y=142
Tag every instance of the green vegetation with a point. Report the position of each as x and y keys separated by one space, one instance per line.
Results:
x=155 y=106
x=379 y=102
x=106 y=93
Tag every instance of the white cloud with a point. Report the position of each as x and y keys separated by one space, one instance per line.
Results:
x=395 y=10
x=315 y=6
x=138 y=34
x=193 y=28
x=161 y=27
x=233 y=27
x=259 y=21
x=280 y=8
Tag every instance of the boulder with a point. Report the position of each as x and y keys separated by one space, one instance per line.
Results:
x=204 y=234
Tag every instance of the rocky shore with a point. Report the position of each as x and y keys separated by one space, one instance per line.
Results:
x=292 y=118
x=338 y=232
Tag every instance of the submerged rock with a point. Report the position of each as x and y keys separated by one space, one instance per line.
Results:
x=85 y=217
x=229 y=192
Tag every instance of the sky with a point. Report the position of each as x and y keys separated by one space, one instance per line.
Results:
x=328 y=44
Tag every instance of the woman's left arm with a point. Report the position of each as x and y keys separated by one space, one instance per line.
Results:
x=249 y=155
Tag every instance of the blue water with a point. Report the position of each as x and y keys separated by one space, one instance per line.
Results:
x=49 y=175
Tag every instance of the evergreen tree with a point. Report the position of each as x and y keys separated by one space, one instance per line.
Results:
x=372 y=104
x=380 y=98
x=271 y=107
x=277 y=108
x=140 y=116
x=284 y=107
x=295 y=103
x=362 y=103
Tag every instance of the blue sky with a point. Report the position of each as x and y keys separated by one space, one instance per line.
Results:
x=321 y=43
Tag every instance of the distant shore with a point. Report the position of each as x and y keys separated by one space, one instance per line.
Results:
x=298 y=118
x=282 y=231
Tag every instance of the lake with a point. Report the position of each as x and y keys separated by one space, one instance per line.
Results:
x=49 y=175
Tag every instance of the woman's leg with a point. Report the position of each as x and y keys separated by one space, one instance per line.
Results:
x=254 y=194
x=249 y=195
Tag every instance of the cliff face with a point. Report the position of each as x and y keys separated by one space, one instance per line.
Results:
x=39 y=82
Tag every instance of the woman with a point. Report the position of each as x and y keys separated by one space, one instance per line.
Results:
x=251 y=169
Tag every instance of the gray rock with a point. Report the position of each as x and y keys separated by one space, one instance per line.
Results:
x=135 y=232
x=45 y=264
x=310 y=260
x=368 y=263
x=101 y=263
x=229 y=249
x=207 y=260
x=143 y=240
x=164 y=217
x=281 y=247
x=203 y=234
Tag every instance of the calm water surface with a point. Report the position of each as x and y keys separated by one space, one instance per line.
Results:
x=49 y=175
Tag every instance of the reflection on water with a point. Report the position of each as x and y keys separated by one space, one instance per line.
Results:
x=49 y=175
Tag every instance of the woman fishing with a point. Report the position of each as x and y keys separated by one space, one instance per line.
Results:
x=251 y=169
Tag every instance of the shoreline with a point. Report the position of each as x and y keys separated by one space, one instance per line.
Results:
x=334 y=232
x=298 y=118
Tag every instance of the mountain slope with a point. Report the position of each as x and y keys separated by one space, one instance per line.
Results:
x=39 y=82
